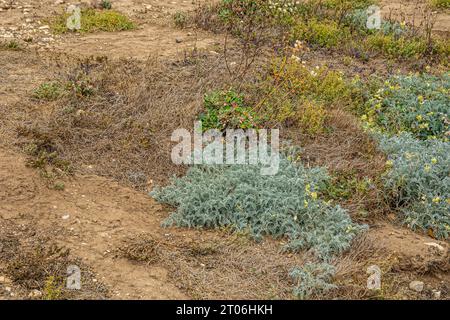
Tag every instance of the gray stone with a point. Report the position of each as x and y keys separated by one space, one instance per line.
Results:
x=416 y=286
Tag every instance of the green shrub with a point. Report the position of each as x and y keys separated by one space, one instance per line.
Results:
x=397 y=47
x=418 y=181
x=294 y=92
x=444 y=4
x=106 y=4
x=325 y=34
x=95 y=20
x=48 y=91
x=180 y=19
x=416 y=103
x=226 y=110
x=282 y=205
x=344 y=185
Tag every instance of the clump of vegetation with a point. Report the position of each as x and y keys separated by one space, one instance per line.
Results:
x=106 y=4
x=336 y=24
x=414 y=103
x=94 y=21
x=142 y=249
x=48 y=91
x=418 y=182
x=11 y=45
x=312 y=279
x=397 y=47
x=326 y=34
x=227 y=110
x=343 y=186
x=443 y=4
x=293 y=93
x=180 y=19
x=52 y=288
x=283 y=205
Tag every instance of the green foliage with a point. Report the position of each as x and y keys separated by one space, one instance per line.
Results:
x=357 y=21
x=293 y=92
x=345 y=185
x=12 y=45
x=106 y=4
x=418 y=181
x=94 y=21
x=397 y=47
x=325 y=34
x=443 y=4
x=48 y=91
x=416 y=103
x=180 y=19
x=226 y=110
x=283 y=205
x=312 y=279
x=52 y=289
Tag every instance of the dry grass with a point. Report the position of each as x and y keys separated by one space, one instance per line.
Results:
x=32 y=260
x=218 y=265
x=123 y=124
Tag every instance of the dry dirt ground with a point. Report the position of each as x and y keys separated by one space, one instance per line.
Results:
x=114 y=233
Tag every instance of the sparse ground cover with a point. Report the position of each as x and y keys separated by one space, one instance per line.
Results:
x=368 y=110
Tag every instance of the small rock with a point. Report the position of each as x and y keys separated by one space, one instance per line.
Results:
x=416 y=286
x=8 y=289
x=5 y=280
x=65 y=217
x=35 y=294
x=178 y=40
x=58 y=2
x=436 y=294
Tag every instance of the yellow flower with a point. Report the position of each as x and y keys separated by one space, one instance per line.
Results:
x=434 y=161
x=364 y=117
x=420 y=99
x=389 y=163
x=305 y=203
x=427 y=168
x=419 y=117
x=436 y=199
x=314 y=195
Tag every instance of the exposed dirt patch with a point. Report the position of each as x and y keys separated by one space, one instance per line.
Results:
x=90 y=217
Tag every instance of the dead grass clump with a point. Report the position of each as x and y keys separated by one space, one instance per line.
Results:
x=123 y=128
x=143 y=248
x=33 y=262
x=208 y=265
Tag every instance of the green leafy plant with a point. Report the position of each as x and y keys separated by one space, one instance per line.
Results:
x=48 y=91
x=414 y=103
x=444 y=4
x=106 y=4
x=227 y=110
x=418 y=181
x=326 y=34
x=94 y=21
x=180 y=19
x=284 y=205
x=52 y=289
